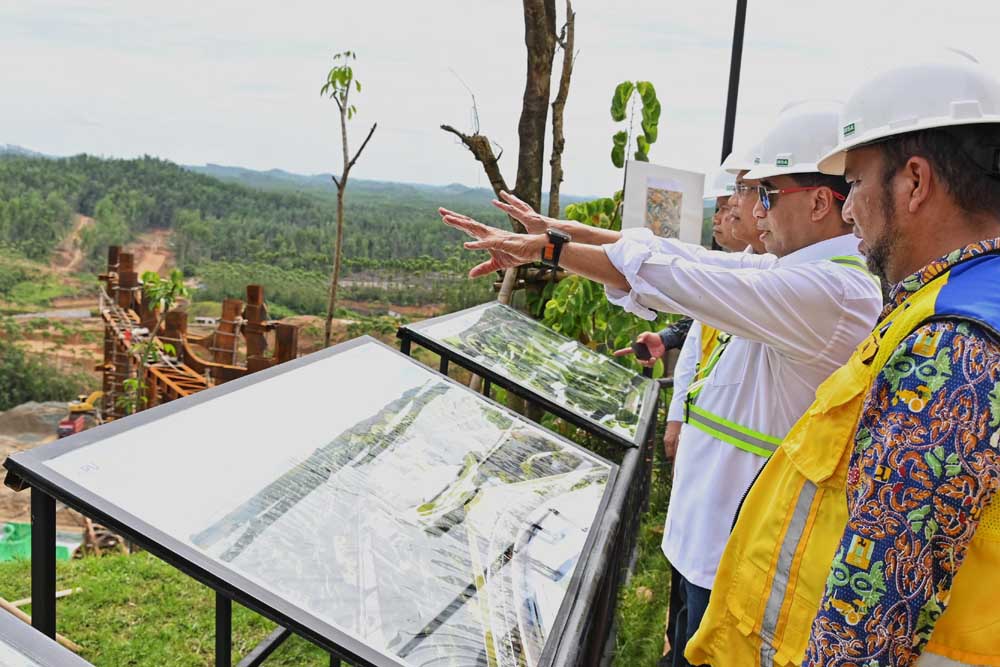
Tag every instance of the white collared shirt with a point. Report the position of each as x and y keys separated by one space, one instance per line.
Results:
x=794 y=320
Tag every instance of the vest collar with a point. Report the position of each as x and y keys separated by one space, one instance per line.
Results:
x=835 y=247
x=902 y=290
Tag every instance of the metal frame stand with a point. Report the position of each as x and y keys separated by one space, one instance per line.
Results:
x=43 y=562
x=264 y=649
x=223 y=630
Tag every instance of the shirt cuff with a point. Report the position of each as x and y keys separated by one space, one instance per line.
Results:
x=627 y=256
x=676 y=411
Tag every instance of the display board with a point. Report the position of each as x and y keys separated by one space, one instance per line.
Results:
x=368 y=499
x=23 y=646
x=665 y=200
x=560 y=370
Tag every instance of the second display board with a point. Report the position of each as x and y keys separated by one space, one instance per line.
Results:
x=584 y=382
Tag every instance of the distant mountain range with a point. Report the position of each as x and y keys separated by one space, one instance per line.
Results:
x=280 y=180
x=284 y=181
x=11 y=149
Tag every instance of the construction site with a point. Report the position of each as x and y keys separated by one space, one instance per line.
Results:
x=148 y=358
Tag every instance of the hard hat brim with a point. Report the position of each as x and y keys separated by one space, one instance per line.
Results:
x=736 y=168
x=833 y=162
x=769 y=170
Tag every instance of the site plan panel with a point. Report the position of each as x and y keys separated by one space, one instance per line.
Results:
x=581 y=380
x=376 y=495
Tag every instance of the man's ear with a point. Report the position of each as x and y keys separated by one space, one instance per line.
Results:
x=822 y=203
x=917 y=179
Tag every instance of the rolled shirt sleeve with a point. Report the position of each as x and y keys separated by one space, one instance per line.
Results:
x=799 y=309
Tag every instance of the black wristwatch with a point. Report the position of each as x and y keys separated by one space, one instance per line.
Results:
x=553 y=249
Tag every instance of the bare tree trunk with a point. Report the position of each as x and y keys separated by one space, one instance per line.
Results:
x=558 y=107
x=540 y=39
x=341 y=184
x=335 y=276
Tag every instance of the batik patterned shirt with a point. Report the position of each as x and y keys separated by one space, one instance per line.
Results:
x=925 y=463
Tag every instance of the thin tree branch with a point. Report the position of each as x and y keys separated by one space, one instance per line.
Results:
x=481 y=148
x=363 y=144
x=335 y=181
x=558 y=107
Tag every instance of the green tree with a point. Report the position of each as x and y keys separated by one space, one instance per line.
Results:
x=24 y=377
x=163 y=293
x=339 y=83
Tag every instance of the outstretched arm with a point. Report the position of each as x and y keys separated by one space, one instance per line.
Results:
x=536 y=223
x=508 y=250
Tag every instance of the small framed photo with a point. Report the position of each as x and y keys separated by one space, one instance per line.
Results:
x=665 y=200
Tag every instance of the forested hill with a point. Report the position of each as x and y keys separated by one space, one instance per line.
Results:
x=284 y=220
x=277 y=180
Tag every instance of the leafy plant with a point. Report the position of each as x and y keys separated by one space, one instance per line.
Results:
x=620 y=101
x=164 y=293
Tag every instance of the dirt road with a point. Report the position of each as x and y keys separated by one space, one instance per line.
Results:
x=68 y=256
x=152 y=252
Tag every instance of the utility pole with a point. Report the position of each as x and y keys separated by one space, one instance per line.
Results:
x=736 y=60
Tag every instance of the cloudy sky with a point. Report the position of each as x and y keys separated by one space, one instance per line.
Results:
x=237 y=83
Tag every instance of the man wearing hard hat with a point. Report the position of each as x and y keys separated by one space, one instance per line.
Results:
x=741 y=218
x=871 y=537
x=721 y=188
x=793 y=319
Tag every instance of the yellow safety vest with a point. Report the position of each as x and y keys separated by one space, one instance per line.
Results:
x=774 y=570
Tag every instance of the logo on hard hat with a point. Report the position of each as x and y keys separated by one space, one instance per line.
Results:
x=848 y=130
x=781 y=162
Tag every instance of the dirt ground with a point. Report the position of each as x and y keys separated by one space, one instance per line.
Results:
x=68 y=257
x=22 y=428
x=152 y=252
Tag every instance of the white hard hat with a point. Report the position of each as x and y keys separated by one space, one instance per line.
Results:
x=803 y=133
x=950 y=91
x=721 y=184
x=742 y=160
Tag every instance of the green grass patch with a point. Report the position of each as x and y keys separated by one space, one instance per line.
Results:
x=137 y=610
x=40 y=292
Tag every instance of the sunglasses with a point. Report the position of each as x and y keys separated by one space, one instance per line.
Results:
x=765 y=194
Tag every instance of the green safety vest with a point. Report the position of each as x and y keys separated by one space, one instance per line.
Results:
x=717 y=426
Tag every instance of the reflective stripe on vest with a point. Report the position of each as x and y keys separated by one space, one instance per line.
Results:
x=855 y=263
x=732 y=433
x=741 y=437
x=776 y=598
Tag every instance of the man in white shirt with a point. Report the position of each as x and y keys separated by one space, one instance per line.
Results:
x=794 y=317
x=740 y=228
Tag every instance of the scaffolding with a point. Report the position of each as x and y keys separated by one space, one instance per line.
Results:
x=177 y=369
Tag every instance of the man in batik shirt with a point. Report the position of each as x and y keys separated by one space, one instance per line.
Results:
x=925 y=464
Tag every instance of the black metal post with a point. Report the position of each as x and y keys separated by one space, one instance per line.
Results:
x=404 y=345
x=223 y=631
x=735 y=62
x=487 y=386
x=443 y=366
x=43 y=562
x=260 y=653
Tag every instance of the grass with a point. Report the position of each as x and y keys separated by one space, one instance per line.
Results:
x=137 y=610
x=642 y=604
